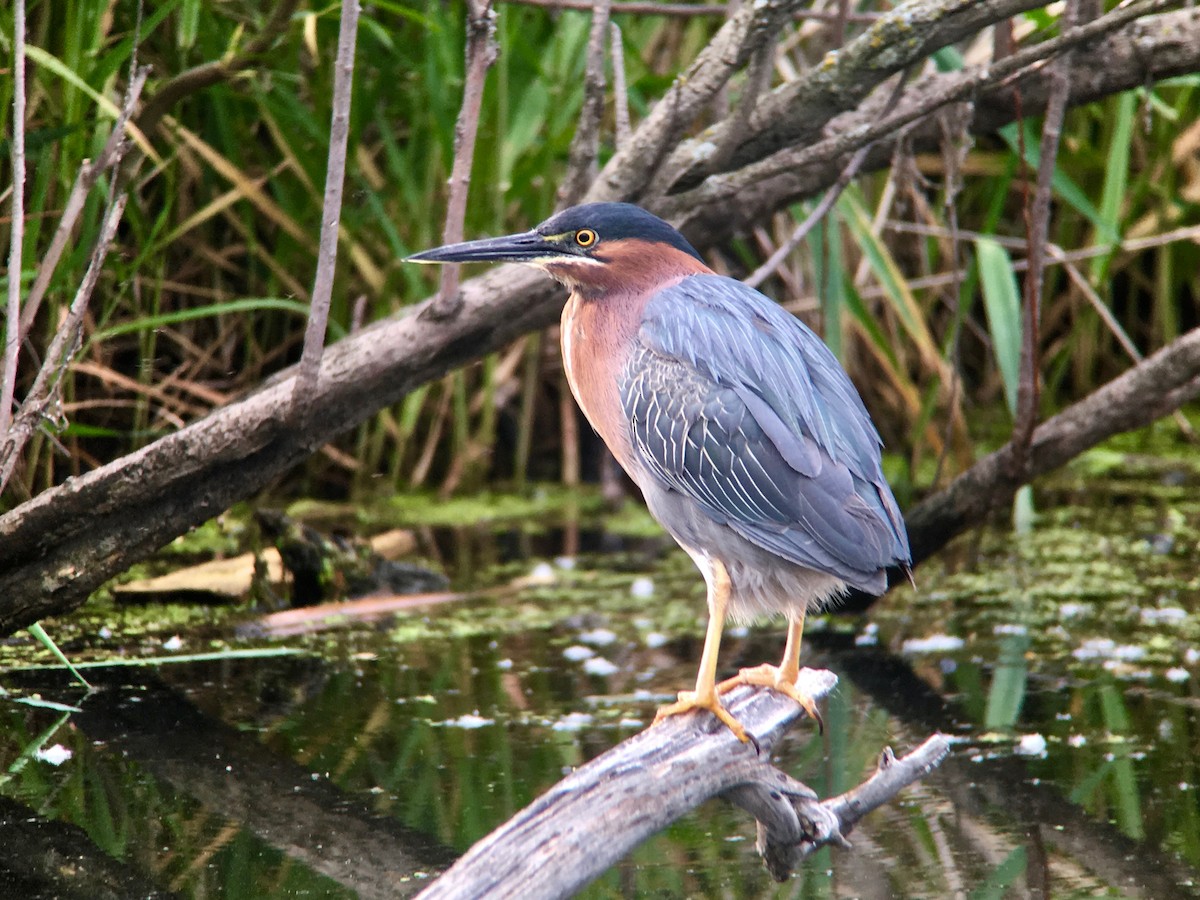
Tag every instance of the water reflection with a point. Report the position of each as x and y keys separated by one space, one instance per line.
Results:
x=362 y=765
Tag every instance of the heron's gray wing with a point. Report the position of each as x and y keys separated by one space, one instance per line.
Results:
x=736 y=404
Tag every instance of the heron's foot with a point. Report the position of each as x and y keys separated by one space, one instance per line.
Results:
x=777 y=679
x=692 y=700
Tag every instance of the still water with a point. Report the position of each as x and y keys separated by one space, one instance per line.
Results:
x=359 y=761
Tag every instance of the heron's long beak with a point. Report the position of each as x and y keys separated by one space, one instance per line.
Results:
x=528 y=247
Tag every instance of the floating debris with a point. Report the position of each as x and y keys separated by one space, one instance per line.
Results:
x=1168 y=615
x=55 y=755
x=869 y=636
x=1095 y=648
x=642 y=587
x=598 y=637
x=575 y=721
x=469 y=721
x=1010 y=629
x=542 y=573
x=1031 y=745
x=600 y=666
x=935 y=643
x=578 y=653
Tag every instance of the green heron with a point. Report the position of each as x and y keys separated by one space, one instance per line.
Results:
x=747 y=438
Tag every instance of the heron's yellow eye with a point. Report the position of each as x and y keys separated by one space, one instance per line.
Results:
x=585 y=237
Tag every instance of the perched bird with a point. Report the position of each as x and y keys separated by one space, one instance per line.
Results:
x=745 y=435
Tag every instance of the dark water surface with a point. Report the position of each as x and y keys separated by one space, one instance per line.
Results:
x=359 y=762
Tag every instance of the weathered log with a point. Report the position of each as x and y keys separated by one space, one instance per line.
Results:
x=599 y=813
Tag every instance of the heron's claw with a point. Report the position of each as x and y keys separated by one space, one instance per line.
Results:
x=691 y=700
x=775 y=678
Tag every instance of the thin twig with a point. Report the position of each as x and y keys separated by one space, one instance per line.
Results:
x=16 y=244
x=686 y=10
x=481 y=52
x=620 y=92
x=759 y=275
x=954 y=152
x=66 y=339
x=1028 y=387
x=581 y=158
x=772 y=262
x=335 y=174
x=89 y=173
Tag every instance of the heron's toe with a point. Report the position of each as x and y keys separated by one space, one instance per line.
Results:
x=774 y=677
x=690 y=700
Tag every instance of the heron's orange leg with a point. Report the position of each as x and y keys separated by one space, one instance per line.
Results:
x=783 y=677
x=705 y=695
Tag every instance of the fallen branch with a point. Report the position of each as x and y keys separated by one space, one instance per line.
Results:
x=793 y=824
x=600 y=812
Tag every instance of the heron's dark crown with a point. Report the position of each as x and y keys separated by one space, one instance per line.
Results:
x=616 y=222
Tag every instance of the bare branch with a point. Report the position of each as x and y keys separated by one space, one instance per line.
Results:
x=635 y=164
x=620 y=92
x=1028 y=386
x=481 y=52
x=759 y=275
x=66 y=339
x=1156 y=387
x=581 y=159
x=84 y=182
x=795 y=113
x=793 y=824
x=687 y=10
x=723 y=203
x=16 y=245
x=331 y=211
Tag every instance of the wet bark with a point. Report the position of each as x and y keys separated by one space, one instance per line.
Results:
x=64 y=543
x=599 y=813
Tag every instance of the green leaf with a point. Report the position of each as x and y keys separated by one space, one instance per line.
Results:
x=1116 y=178
x=1002 y=303
x=39 y=632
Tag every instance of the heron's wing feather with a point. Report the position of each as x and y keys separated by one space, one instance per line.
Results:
x=734 y=403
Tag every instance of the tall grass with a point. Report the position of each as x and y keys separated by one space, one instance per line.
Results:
x=217 y=248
